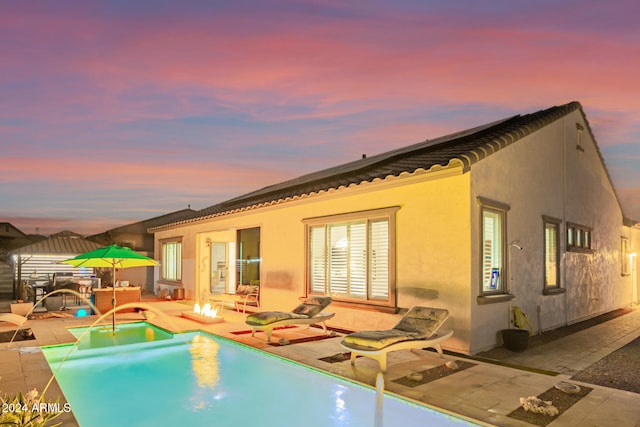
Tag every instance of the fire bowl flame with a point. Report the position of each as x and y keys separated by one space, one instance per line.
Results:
x=204 y=314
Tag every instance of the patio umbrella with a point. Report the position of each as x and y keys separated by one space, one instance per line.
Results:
x=113 y=256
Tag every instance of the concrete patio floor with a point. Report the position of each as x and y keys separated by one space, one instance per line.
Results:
x=485 y=392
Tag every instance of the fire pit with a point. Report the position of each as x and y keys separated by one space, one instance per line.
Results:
x=205 y=314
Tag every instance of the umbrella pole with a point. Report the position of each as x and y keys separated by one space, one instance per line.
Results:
x=113 y=301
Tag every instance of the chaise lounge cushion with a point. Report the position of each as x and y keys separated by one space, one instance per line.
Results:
x=419 y=323
x=267 y=317
x=309 y=308
x=423 y=321
x=378 y=339
x=312 y=306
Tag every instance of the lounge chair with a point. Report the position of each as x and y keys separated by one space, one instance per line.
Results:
x=307 y=313
x=416 y=330
x=12 y=318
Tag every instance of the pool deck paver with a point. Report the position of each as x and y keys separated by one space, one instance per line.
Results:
x=485 y=392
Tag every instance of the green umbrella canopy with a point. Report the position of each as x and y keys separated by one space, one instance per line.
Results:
x=112 y=256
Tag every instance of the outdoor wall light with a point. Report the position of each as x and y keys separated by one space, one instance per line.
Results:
x=515 y=244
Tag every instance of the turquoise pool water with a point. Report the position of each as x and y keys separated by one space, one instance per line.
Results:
x=128 y=333
x=196 y=379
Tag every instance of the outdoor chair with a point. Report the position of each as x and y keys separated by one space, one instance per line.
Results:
x=307 y=313
x=245 y=295
x=418 y=329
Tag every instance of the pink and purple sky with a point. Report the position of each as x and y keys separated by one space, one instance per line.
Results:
x=113 y=112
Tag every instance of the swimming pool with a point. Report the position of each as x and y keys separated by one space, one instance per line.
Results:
x=196 y=378
x=127 y=333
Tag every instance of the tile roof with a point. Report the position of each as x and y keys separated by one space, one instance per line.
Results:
x=144 y=225
x=9 y=230
x=462 y=148
x=63 y=243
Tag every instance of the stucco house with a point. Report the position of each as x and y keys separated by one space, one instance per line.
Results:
x=137 y=237
x=8 y=234
x=518 y=212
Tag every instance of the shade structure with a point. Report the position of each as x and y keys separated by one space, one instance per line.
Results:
x=112 y=256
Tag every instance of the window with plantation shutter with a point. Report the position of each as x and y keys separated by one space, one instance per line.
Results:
x=493 y=251
x=551 y=255
x=317 y=257
x=171 y=261
x=338 y=261
x=379 y=260
x=552 y=265
x=488 y=252
x=350 y=257
x=358 y=260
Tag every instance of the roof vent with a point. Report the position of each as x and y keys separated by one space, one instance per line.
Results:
x=364 y=156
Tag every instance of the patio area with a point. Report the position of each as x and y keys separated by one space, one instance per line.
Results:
x=485 y=392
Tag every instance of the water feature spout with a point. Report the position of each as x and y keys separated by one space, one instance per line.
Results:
x=41 y=300
x=379 y=398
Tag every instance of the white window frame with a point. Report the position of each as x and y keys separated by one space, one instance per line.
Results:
x=352 y=272
x=171 y=260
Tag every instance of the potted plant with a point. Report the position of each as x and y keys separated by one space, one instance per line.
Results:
x=53 y=302
x=517 y=339
x=27 y=410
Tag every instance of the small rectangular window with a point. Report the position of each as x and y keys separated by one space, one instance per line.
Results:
x=570 y=238
x=625 y=257
x=551 y=252
x=493 y=249
x=579 y=130
x=579 y=238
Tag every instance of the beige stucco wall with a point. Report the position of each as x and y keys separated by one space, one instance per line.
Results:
x=544 y=174
x=432 y=247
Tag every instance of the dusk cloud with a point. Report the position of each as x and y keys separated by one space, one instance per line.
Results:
x=187 y=102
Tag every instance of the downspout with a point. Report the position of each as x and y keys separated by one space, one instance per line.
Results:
x=564 y=220
x=17 y=270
